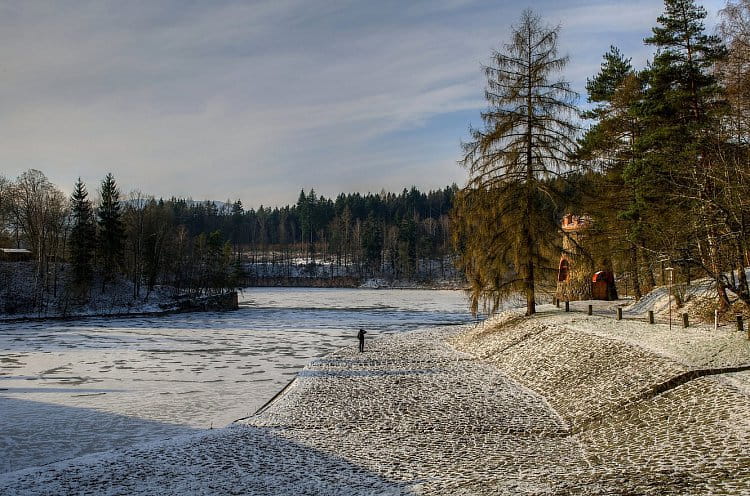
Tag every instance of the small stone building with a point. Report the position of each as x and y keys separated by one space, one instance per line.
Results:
x=577 y=278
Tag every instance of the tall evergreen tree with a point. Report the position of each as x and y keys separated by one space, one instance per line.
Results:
x=372 y=242
x=682 y=109
x=609 y=145
x=507 y=221
x=82 y=241
x=111 y=231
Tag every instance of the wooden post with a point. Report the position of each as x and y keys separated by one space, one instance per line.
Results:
x=591 y=309
x=716 y=320
x=739 y=323
x=567 y=306
x=685 y=320
x=557 y=302
x=650 y=316
x=619 y=313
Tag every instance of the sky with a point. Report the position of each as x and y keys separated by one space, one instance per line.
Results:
x=255 y=100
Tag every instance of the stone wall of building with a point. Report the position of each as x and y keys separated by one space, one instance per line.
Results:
x=574 y=272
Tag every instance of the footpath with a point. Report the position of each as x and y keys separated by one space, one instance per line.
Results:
x=554 y=404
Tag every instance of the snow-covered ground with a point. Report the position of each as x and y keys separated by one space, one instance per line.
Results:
x=17 y=290
x=558 y=403
x=698 y=299
x=77 y=387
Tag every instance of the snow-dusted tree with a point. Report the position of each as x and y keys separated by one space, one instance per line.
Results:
x=507 y=219
x=39 y=214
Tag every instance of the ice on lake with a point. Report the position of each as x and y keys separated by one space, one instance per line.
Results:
x=77 y=387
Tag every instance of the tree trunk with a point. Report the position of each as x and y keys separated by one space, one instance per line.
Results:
x=528 y=238
x=744 y=291
x=651 y=278
x=634 y=272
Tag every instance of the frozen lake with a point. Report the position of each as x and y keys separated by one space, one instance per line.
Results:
x=78 y=387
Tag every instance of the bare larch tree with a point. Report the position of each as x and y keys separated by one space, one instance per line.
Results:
x=507 y=215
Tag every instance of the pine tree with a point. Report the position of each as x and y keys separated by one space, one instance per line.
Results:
x=238 y=214
x=111 y=231
x=372 y=242
x=615 y=89
x=609 y=144
x=304 y=210
x=82 y=241
x=613 y=71
x=507 y=221
x=683 y=107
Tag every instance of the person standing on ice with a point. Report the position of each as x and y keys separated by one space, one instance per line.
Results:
x=361 y=337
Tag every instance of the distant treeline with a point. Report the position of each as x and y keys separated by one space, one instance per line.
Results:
x=209 y=247
x=383 y=234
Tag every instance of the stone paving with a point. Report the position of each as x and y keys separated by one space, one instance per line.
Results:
x=417 y=411
x=581 y=375
x=694 y=439
x=548 y=405
x=237 y=460
x=600 y=375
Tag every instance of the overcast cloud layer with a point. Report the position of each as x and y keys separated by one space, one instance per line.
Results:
x=256 y=100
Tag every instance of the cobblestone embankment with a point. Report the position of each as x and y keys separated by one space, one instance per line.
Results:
x=555 y=404
x=633 y=396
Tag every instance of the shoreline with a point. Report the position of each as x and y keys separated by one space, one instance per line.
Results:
x=68 y=318
x=213 y=303
x=553 y=403
x=172 y=311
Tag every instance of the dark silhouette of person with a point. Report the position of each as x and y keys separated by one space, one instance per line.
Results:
x=361 y=337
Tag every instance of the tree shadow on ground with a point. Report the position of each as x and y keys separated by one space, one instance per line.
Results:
x=238 y=459
x=34 y=433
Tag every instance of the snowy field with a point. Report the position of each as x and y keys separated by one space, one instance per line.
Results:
x=72 y=388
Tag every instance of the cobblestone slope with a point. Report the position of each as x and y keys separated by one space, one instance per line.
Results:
x=581 y=375
x=693 y=439
x=421 y=413
x=631 y=394
x=541 y=406
x=238 y=460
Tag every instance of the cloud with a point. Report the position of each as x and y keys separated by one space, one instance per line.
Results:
x=255 y=100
